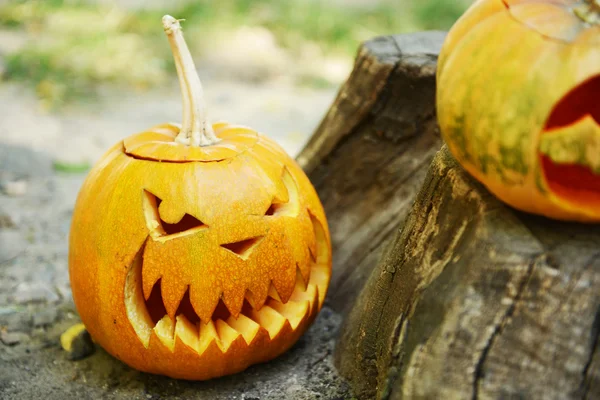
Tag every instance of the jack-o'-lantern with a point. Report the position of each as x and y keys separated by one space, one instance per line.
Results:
x=197 y=250
x=518 y=102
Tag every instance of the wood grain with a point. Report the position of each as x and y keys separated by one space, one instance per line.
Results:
x=370 y=154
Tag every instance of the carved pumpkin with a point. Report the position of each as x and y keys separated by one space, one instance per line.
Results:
x=518 y=102
x=196 y=251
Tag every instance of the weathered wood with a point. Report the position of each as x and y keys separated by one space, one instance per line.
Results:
x=476 y=300
x=370 y=154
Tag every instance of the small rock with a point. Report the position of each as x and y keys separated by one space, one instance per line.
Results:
x=12 y=243
x=6 y=221
x=17 y=321
x=15 y=188
x=77 y=342
x=31 y=292
x=45 y=317
x=64 y=291
x=12 y=338
x=295 y=388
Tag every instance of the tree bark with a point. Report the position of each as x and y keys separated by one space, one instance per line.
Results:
x=370 y=154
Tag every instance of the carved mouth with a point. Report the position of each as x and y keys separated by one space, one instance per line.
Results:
x=570 y=146
x=149 y=316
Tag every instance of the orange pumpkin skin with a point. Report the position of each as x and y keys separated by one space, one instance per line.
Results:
x=196 y=262
x=518 y=103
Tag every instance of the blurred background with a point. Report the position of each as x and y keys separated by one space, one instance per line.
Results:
x=78 y=75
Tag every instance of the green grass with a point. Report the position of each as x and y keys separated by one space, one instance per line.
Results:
x=75 y=46
x=71 y=168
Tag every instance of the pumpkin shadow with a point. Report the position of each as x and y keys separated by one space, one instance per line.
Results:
x=304 y=370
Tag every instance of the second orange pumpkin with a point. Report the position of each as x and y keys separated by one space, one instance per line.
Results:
x=518 y=102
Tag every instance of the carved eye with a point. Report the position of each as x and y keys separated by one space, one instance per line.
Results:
x=290 y=208
x=186 y=225
x=243 y=248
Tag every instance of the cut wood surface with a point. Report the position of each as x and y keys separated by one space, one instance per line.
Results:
x=370 y=154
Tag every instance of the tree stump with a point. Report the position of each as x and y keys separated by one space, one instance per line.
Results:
x=474 y=299
x=370 y=154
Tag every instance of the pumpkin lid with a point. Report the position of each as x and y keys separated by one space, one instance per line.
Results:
x=159 y=144
x=571 y=21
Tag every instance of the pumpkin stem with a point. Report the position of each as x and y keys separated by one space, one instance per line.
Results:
x=195 y=128
x=589 y=12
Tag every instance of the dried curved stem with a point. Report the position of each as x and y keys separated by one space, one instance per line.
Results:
x=589 y=12
x=195 y=129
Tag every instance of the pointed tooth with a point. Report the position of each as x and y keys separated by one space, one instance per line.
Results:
x=319 y=277
x=245 y=326
x=269 y=319
x=292 y=310
x=259 y=295
x=234 y=302
x=303 y=270
x=312 y=250
x=323 y=253
x=315 y=303
x=303 y=255
x=319 y=274
x=172 y=292
x=204 y=301
x=273 y=293
x=307 y=294
x=285 y=281
x=226 y=333
x=250 y=298
x=187 y=332
x=301 y=280
x=207 y=335
x=165 y=331
x=150 y=276
x=135 y=306
x=323 y=247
